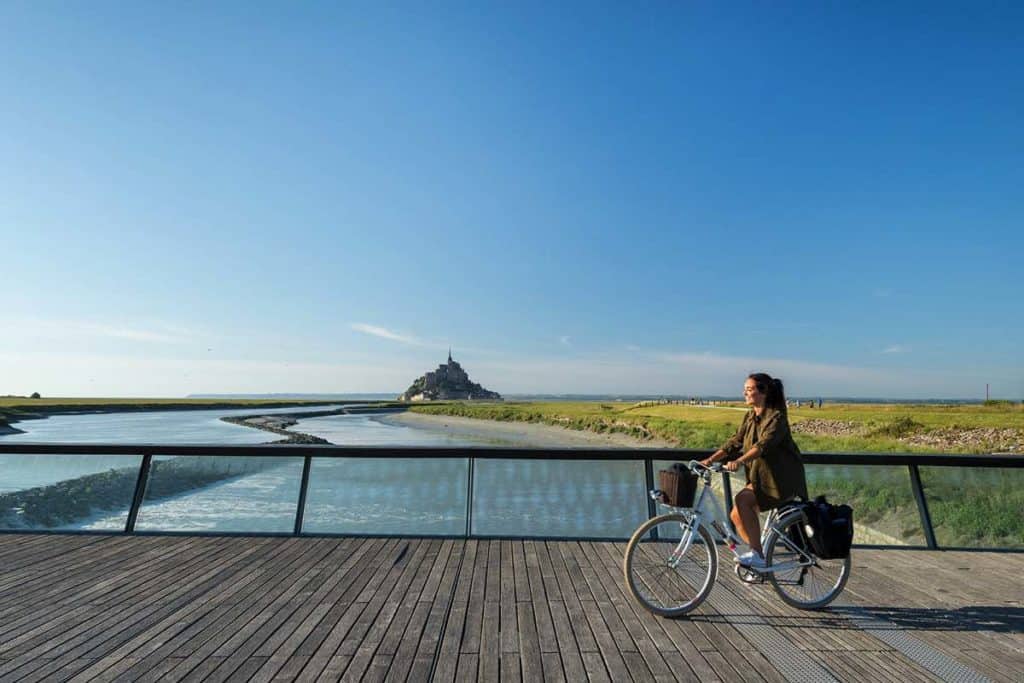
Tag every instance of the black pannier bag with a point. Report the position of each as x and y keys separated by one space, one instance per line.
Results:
x=678 y=486
x=829 y=528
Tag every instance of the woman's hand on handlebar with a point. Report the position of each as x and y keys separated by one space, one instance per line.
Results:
x=732 y=465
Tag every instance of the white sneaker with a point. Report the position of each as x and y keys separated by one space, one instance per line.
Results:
x=752 y=559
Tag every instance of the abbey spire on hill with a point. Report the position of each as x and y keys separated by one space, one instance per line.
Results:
x=448 y=382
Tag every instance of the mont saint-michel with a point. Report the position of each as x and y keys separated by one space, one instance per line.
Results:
x=448 y=382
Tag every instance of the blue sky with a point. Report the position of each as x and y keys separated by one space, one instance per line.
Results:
x=268 y=197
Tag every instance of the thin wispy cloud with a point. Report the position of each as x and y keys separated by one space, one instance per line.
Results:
x=881 y=293
x=384 y=333
x=896 y=348
x=153 y=333
x=134 y=334
x=565 y=340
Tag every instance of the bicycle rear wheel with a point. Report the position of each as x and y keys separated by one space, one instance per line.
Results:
x=660 y=576
x=810 y=583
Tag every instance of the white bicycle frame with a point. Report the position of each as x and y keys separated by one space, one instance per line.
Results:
x=695 y=518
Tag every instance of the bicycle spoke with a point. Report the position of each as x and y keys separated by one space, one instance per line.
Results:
x=809 y=587
x=666 y=576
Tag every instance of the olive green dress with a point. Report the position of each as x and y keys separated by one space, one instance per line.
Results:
x=777 y=474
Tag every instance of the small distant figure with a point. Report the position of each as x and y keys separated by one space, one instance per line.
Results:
x=819 y=402
x=798 y=403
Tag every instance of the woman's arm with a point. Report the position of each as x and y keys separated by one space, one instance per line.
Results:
x=730 y=447
x=771 y=433
x=754 y=452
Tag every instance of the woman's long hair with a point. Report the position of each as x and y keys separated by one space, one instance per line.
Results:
x=774 y=394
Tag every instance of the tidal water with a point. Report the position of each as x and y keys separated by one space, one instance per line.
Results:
x=390 y=495
x=162 y=427
x=159 y=426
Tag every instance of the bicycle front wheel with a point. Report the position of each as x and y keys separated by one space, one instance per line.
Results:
x=803 y=580
x=667 y=576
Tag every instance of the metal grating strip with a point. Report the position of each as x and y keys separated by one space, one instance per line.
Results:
x=791 y=661
x=940 y=664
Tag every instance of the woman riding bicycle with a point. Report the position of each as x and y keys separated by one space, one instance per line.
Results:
x=765 y=446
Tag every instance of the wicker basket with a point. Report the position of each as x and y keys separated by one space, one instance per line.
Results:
x=678 y=486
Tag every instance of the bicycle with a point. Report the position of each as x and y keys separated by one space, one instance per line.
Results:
x=671 y=561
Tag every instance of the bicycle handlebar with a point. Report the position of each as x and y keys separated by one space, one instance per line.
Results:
x=696 y=467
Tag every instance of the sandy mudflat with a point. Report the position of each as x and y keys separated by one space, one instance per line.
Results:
x=518 y=433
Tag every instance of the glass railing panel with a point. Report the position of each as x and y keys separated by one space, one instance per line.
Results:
x=408 y=496
x=884 y=508
x=221 y=494
x=975 y=507
x=586 y=498
x=67 y=492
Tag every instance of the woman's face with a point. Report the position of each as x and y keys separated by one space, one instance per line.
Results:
x=751 y=395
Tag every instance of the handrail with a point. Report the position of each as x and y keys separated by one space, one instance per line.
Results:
x=647 y=455
x=495 y=453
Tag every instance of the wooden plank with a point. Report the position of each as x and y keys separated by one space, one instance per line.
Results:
x=452 y=638
x=553 y=670
x=538 y=596
x=572 y=662
x=109 y=627
x=165 y=636
x=408 y=657
x=245 y=655
x=323 y=645
x=581 y=631
x=221 y=638
x=377 y=609
x=473 y=628
x=529 y=645
x=67 y=593
x=426 y=556
x=469 y=665
x=430 y=639
x=594 y=665
x=490 y=641
x=373 y=624
x=614 y=662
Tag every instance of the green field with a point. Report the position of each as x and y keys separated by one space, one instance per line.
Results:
x=687 y=426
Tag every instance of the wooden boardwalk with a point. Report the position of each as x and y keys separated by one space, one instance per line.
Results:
x=143 y=608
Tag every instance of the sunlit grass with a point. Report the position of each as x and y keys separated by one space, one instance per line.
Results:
x=689 y=426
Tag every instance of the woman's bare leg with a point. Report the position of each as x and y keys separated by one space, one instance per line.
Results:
x=744 y=516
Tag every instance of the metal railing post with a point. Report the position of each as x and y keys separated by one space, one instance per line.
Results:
x=922 y=507
x=652 y=506
x=469 y=498
x=139 y=494
x=300 y=509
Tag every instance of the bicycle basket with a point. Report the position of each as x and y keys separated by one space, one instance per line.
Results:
x=678 y=486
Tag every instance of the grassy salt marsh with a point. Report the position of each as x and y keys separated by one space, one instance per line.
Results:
x=846 y=428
